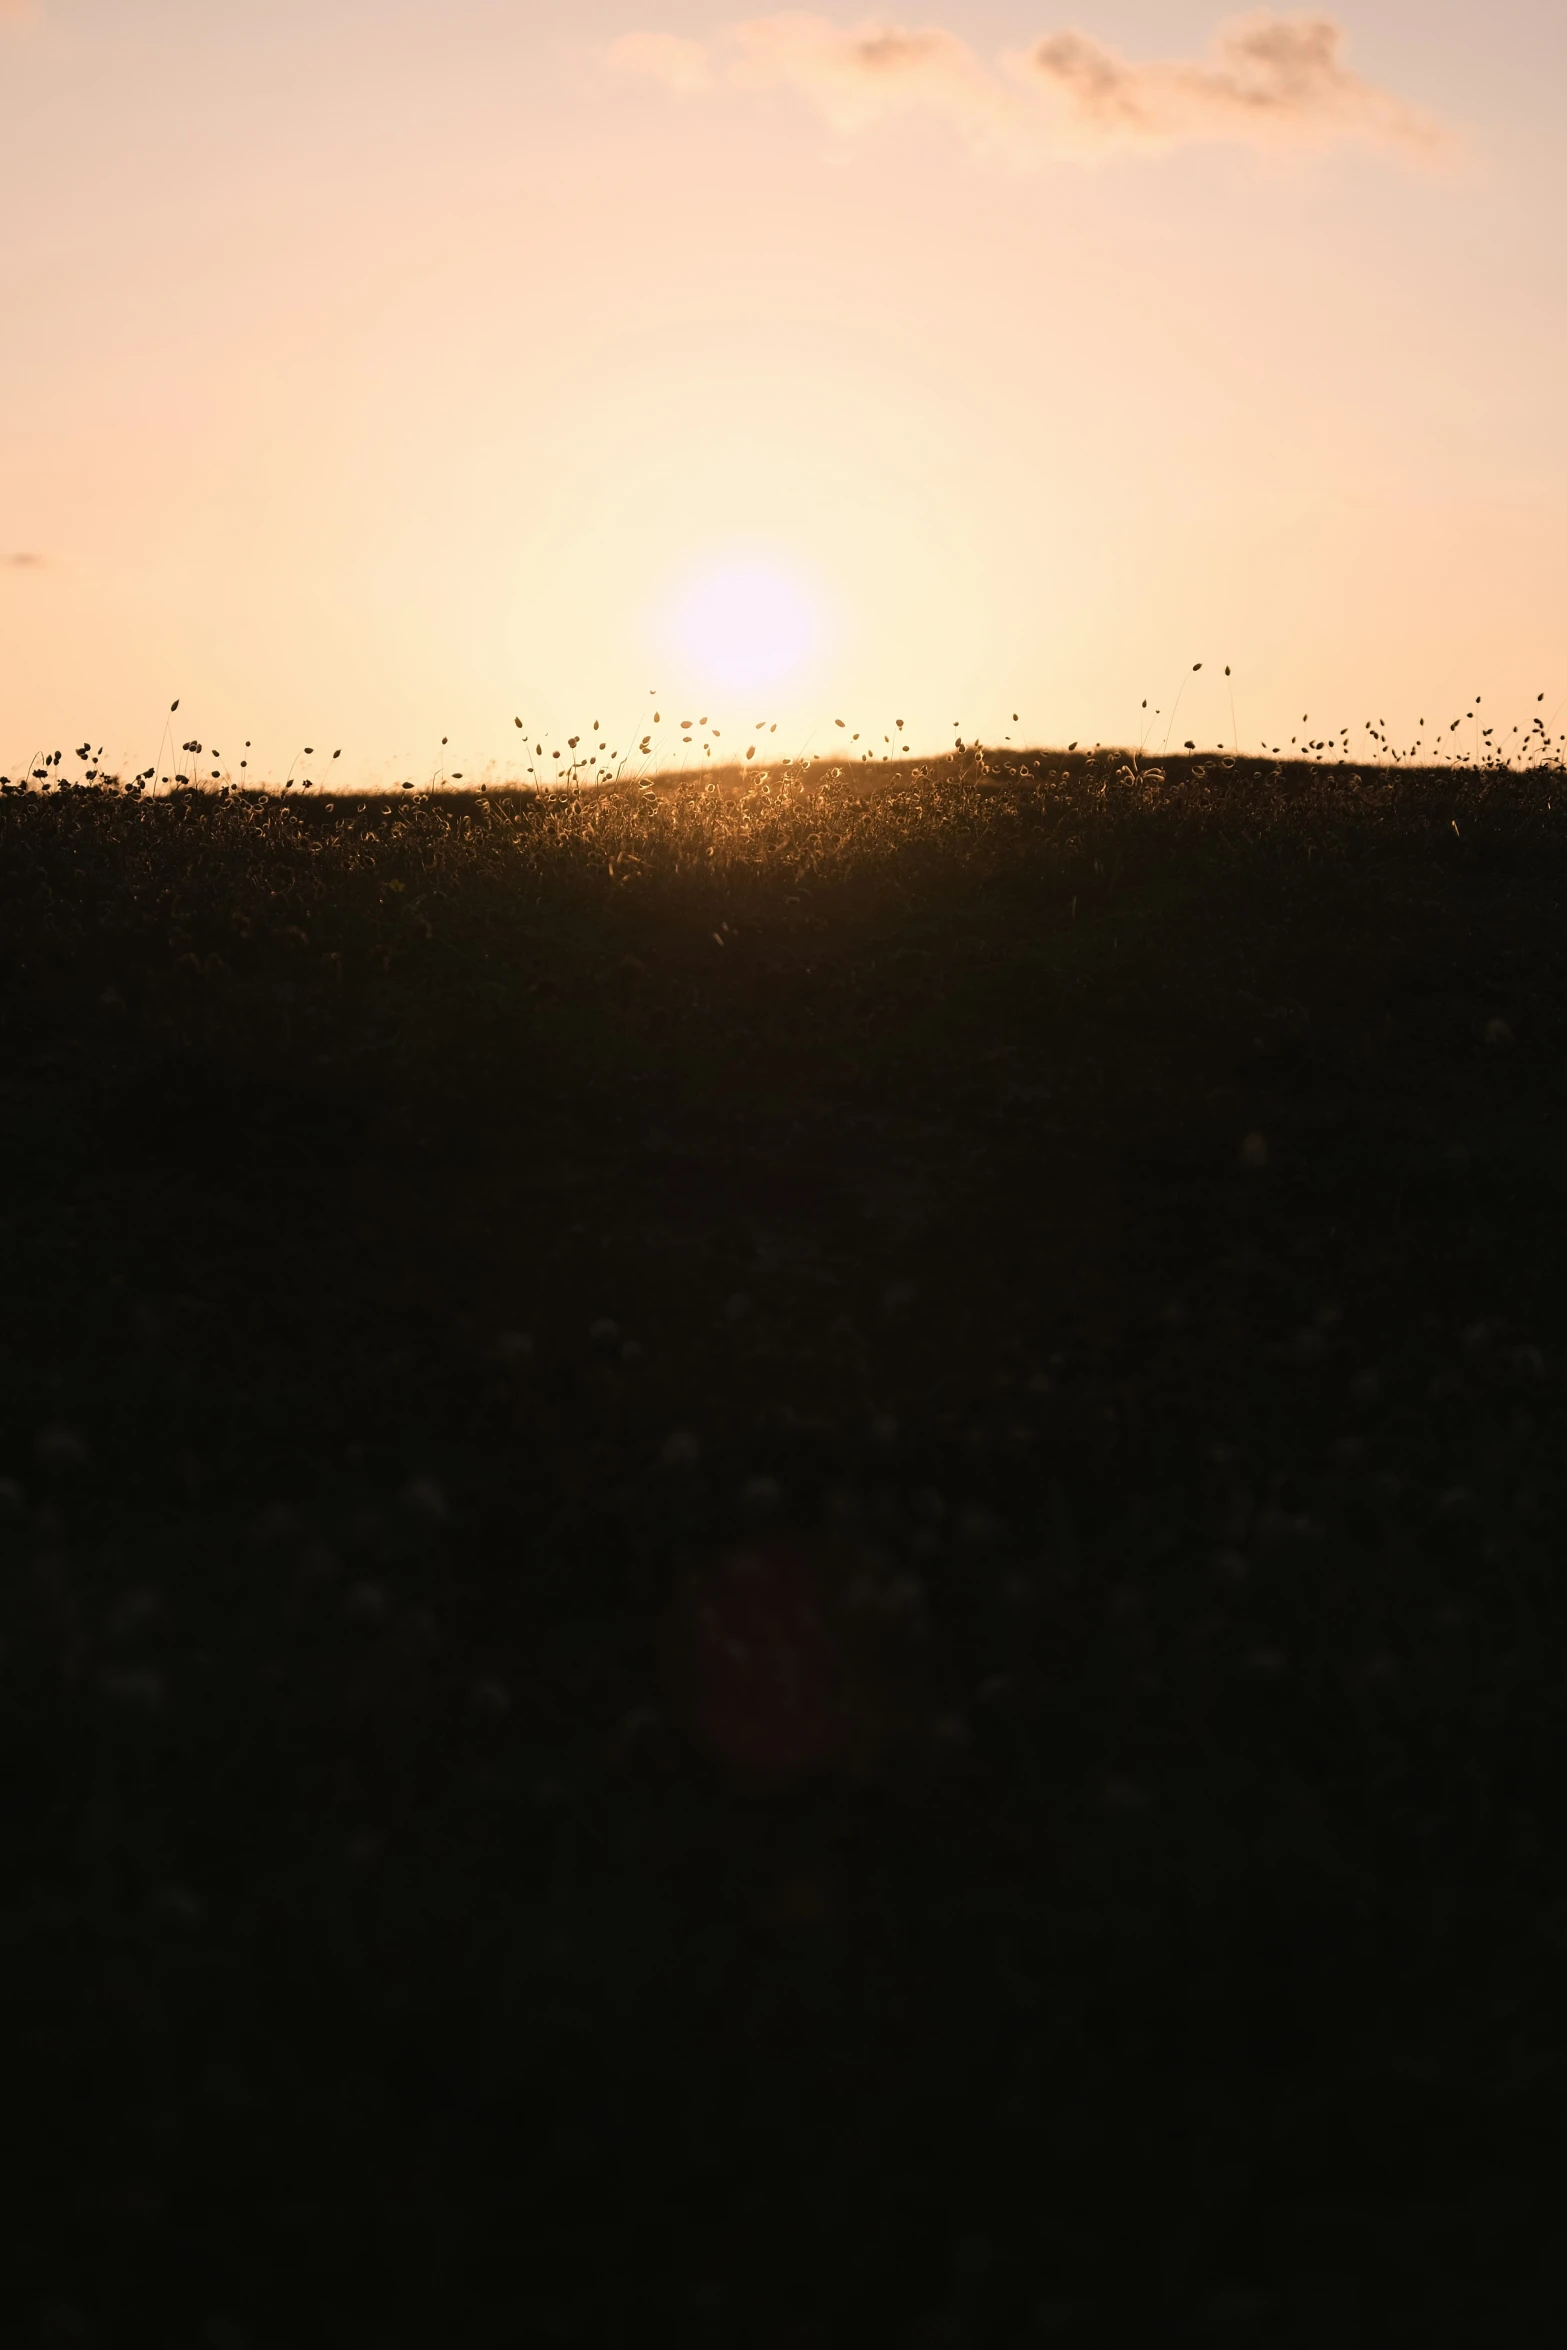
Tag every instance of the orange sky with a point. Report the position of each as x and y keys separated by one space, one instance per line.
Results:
x=383 y=372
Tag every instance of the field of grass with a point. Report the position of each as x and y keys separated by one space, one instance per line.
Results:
x=781 y=1560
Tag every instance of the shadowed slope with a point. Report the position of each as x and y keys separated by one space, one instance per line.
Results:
x=1063 y=1276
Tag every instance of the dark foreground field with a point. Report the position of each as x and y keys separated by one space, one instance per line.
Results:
x=786 y=1569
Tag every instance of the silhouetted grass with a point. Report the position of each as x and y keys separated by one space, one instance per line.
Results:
x=1089 y=1238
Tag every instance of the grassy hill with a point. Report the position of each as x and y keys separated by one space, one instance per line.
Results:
x=781 y=1558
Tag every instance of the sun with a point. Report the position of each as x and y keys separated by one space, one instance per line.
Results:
x=746 y=624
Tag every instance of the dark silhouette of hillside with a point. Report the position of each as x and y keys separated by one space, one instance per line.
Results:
x=781 y=1560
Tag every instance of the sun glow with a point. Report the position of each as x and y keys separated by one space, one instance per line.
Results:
x=749 y=624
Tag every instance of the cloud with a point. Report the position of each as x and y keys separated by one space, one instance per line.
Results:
x=22 y=562
x=854 y=76
x=858 y=77
x=1268 y=79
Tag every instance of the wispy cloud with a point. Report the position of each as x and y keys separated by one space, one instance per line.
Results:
x=22 y=562
x=1267 y=79
x=853 y=76
x=858 y=77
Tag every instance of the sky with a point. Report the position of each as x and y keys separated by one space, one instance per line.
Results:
x=385 y=371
